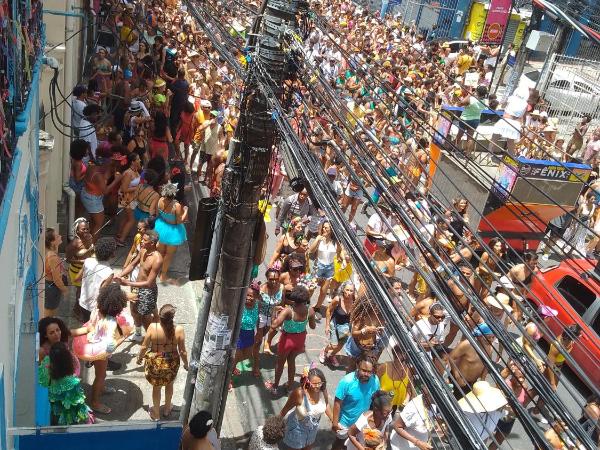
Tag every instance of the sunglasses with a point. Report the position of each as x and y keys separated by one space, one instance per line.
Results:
x=442 y=317
x=273 y=279
x=295 y=268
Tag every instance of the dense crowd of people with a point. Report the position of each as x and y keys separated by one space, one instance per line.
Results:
x=158 y=113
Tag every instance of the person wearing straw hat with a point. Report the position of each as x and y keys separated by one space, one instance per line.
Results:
x=483 y=407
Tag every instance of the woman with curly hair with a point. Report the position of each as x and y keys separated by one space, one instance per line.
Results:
x=67 y=399
x=267 y=436
x=170 y=226
x=98 y=339
x=52 y=330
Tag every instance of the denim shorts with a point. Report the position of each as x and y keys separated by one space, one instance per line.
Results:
x=338 y=334
x=92 y=203
x=324 y=271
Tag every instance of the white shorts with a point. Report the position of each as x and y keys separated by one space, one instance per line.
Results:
x=263 y=321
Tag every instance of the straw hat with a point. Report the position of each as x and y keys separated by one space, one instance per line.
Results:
x=483 y=398
x=500 y=301
x=159 y=82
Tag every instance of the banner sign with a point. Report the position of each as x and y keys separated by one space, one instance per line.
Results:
x=496 y=20
x=549 y=170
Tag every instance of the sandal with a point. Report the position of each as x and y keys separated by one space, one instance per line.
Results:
x=155 y=419
x=102 y=409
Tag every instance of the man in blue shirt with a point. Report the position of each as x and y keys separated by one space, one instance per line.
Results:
x=352 y=398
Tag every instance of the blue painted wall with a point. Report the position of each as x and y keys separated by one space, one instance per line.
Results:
x=161 y=438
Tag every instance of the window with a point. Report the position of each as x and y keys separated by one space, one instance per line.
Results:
x=560 y=84
x=576 y=293
x=596 y=324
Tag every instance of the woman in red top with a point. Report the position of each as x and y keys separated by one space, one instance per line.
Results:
x=159 y=144
x=185 y=132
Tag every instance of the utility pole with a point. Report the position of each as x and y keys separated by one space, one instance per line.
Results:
x=245 y=173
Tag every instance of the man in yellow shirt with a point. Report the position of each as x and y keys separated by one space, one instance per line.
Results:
x=202 y=120
x=464 y=60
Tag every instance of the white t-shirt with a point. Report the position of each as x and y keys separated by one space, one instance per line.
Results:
x=424 y=330
x=94 y=273
x=87 y=132
x=377 y=224
x=326 y=252
x=416 y=420
x=77 y=113
x=361 y=424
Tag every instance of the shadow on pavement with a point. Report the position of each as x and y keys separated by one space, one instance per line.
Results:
x=124 y=403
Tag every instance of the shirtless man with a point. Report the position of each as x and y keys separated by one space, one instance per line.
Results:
x=466 y=365
x=521 y=276
x=144 y=309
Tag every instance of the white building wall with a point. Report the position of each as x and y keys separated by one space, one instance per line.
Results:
x=59 y=28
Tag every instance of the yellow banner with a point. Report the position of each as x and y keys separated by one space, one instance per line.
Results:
x=518 y=40
x=474 y=28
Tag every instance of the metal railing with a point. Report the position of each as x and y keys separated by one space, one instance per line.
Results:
x=570 y=88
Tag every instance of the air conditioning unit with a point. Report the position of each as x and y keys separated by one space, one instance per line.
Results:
x=539 y=41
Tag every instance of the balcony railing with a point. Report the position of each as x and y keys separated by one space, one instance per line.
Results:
x=21 y=44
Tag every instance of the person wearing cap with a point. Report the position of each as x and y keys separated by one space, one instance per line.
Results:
x=160 y=97
x=483 y=407
x=136 y=116
x=161 y=352
x=466 y=364
x=205 y=129
x=79 y=103
x=200 y=433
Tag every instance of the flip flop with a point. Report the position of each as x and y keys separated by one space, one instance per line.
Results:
x=167 y=412
x=102 y=409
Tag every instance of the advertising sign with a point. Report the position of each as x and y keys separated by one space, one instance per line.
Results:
x=495 y=22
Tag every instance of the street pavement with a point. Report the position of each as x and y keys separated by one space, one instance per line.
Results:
x=133 y=393
x=249 y=403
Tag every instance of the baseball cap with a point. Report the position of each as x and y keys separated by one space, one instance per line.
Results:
x=482 y=330
x=332 y=171
x=205 y=104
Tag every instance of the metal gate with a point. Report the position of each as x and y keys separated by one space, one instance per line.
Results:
x=571 y=88
x=426 y=13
